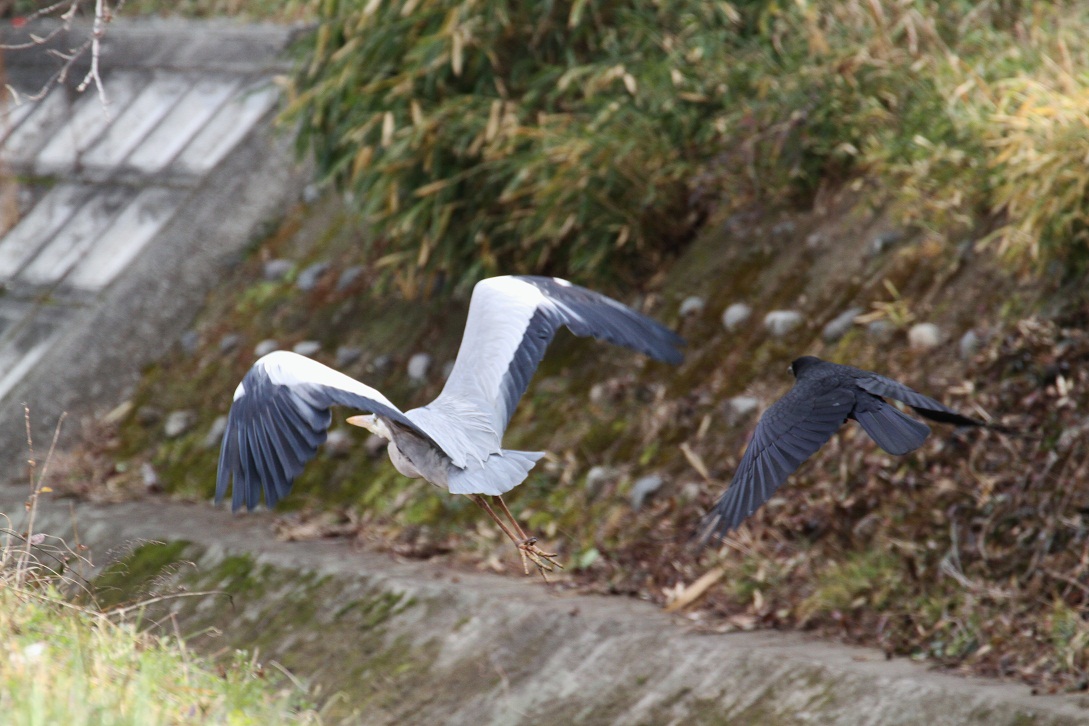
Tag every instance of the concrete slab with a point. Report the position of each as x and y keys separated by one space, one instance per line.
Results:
x=39 y=122
x=75 y=238
x=156 y=100
x=149 y=199
x=174 y=133
x=481 y=649
x=19 y=246
x=231 y=123
x=88 y=122
x=126 y=237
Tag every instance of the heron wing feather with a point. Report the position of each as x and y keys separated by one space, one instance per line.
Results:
x=511 y=321
x=279 y=418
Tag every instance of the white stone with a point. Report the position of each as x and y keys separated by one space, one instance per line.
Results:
x=781 y=322
x=338 y=443
x=969 y=344
x=215 y=432
x=739 y=408
x=265 y=347
x=924 y=336
x=418 y=366
x=734 y=315
x=177 y=423
x=643 y=488
x=838 y=326
x=692 y=305
x=307 y=347
x=597 y=477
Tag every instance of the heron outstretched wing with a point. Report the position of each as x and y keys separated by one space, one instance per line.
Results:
x=279 y=418
x=511 y=321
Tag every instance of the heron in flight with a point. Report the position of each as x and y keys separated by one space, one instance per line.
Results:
x=281 y=410
x=825 y=395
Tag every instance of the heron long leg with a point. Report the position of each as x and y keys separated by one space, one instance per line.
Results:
x=528 y=543
x=527 y=547
x=506 y=510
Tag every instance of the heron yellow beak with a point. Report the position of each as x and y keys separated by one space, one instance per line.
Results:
x=360 y=421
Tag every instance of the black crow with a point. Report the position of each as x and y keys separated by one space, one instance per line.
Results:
x=825 y=395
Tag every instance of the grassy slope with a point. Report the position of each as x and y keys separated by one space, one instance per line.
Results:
x=74 y=665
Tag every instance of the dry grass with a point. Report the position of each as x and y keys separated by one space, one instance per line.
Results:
x=76 y=664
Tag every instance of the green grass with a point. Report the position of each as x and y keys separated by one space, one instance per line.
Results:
x=67 y=662
x=76 y=666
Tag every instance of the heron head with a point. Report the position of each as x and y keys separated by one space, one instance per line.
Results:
x=371 y=423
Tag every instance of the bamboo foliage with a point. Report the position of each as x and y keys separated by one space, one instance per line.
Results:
x=491 y=135
x=588 y=139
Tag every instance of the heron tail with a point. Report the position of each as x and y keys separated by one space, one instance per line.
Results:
x=498 y=475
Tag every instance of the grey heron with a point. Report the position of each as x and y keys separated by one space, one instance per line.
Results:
x=824 y=396
x=281 y=411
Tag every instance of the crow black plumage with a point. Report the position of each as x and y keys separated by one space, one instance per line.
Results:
x=825 y=395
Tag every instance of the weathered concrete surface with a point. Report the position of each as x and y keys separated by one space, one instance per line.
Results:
x=409 y=640
x=127 y=219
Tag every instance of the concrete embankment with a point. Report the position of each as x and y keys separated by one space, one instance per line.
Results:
x=414 y=640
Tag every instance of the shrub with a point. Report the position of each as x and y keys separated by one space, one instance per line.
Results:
x=492 y=135
x=484 y=136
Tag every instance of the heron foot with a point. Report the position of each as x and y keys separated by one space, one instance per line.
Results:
x=542 y=560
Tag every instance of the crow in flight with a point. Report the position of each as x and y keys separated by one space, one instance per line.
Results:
x=825 y=395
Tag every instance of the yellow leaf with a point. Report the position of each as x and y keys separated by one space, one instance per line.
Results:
x=457 y=53
x=693 y=592
x=387 y=128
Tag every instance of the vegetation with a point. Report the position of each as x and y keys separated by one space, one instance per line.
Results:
x=486 y=136
x=74 y=663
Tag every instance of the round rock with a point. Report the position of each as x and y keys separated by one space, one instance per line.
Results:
x=307 y=347
x=277 y=269
x=349 y=276
x=215 y=432
x=229 y=342
x=969 y=344
x=178 y=422
x=418 y=366
x=189 y=341
x=346 y=355
x=838 y=326
x=643 y=488
x=781 y=322
x=924 y=336
x=338 y=443
x=692 y=305
x=734 y=315
x=597 y=477
x=740 y=408
x=265 y=347
x=880 y=330
x=308 y=278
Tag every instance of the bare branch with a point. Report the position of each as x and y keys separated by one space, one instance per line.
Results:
x=103 y=14
x=98 y=29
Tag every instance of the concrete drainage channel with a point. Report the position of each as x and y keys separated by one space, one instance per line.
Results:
x=399 y=641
